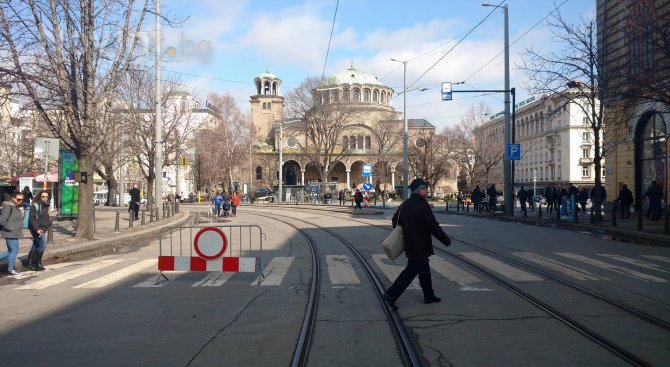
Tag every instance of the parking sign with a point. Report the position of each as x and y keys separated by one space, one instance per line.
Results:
x=367 y=170
x=513 y=152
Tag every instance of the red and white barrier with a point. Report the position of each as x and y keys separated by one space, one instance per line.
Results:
x=191 y=263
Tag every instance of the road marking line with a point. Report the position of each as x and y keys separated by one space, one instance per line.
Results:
x=392 y=269
x=465 y=286
x=642 y=264
x=64 y=277
x=274 y=272
x=501 y=268
x=118 y=275
x=614 y=268
x=451 y=271
x=340 y=270
x=658 y=258
x=151 y=282
x=215 y=279
x=558 y=266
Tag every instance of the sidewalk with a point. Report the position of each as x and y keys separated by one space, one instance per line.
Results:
x=64 y=244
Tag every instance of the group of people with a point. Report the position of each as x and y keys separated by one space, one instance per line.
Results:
x=223 y=203
x=479 y=196
x=13 y=220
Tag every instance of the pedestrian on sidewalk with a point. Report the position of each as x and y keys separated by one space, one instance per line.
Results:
x=340 y=196
x=522 y=195
x=39 y=223
x=625 y=200
x=583 y=199
x=358 y=198
x=655 y=194
x=477 y=199
x=550 y=196
x=11 y=223
x=27 y=197
x=492 y=194
x=135 y=201
x=234 y=202
x=217 y=200
x=419 y=224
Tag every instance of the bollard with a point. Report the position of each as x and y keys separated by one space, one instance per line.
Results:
x=666 y=225
x=639 y=217
x=116 y=224
x=177 y=207
x=143 y=221
x=614 y=214
x=50 y=235
x=458 y=207
x=131 y=217
x=539 y=210
x=94 y=220
x=447 y=205
x=558 y=210
x=468 y=208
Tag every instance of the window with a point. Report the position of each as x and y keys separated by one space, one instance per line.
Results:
x=586 y=137
x=345 y=143
x=259 y=173
x=586 y=153
x=558 y=155
x=366 y=96
x=360 y=142
x=368 y=142
x=264 y=105
x=266 y=88
x=292 y=143
x=420 y=143
x=183 y=104
x=375 y=96
x=357 y=95
x=269 y=105
x=383 y=98
x=352 y=142
x=586 y=121
x=345 y=96
x=586 y=171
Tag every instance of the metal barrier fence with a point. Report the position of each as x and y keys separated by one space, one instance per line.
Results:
x=224 y=248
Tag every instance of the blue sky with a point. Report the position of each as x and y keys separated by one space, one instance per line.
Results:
x=225 y=44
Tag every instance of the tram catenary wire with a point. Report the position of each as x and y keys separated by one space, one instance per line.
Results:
x=302 y=346
x=585 y=331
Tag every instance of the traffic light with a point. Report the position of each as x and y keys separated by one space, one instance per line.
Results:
x=182 y=161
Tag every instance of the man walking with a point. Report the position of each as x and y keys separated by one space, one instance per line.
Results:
x=418 y=223
x=135 y=201
x=655 y=194
x=523 y=196
x=625 y=200
x=11 y=223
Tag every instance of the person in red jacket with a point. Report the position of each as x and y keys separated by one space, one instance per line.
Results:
x=234 y=202
x=419 y=224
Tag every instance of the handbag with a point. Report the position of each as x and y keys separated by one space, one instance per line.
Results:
x=394 y=244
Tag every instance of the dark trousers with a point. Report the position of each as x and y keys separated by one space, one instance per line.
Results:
x=550 y=205
x=135 y=208
x=358 y=205
x=625 y=211
x=234 y=209
x=492 y=205
x=523 y=208
x=414 y=267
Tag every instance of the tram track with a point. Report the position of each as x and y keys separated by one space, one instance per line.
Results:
x=301 y=352
x=579 y=327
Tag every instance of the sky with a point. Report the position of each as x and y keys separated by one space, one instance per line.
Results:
x=222 y=45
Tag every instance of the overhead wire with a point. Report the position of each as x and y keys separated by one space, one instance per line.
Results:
x=332 y=29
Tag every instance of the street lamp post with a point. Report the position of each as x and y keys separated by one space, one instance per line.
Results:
x=281 y=159
x=507 y=170
x=158 y=195
x=405 y=161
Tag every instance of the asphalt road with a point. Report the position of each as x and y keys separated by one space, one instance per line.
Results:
x=107 y=311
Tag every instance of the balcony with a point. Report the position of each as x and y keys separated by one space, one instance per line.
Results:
x=584 y=161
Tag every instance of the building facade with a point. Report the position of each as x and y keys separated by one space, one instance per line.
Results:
x=371 y=135
x=633 y=38
x=556 y=143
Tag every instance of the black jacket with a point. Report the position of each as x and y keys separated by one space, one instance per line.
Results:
x=39 y=219
x=418 y=224
x=625 y=197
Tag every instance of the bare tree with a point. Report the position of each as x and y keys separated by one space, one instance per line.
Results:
x=320 y=124
x=387 y=135
x=137 y=116
x=577 y=74
x=70 y=56
x=429 y=157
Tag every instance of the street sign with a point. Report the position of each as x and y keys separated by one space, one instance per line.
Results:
x=210 y=243
x=46 y=148
x=446 y=91
x=367 y=186
x=513 y=152
x=367 y=170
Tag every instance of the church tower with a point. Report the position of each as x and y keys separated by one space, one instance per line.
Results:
x=267 y=106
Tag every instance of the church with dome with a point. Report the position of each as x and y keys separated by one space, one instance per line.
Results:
x=368 y=133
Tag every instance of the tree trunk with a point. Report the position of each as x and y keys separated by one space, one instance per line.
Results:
x=150 y=193
x=85 y=215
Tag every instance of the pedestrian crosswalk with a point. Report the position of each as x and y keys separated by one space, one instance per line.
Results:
x=342 y=271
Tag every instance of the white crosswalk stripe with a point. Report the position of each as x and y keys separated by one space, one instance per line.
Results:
x=642 y=264
x=657 y=258
x=156 y=281
x=501 y=268
x=615 y=268
x=55 y=279
x=274 y=272
x=213 y=279
x=340 y=270
x=392 y=269
x=118 y=275
x=568 y=270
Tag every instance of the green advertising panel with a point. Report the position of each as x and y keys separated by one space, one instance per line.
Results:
x=69 y=189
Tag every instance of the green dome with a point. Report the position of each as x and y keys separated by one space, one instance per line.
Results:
x=352 y=76
x=267 y=75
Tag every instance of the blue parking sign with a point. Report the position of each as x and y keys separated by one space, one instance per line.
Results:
x=367 y=170
x=513 y=152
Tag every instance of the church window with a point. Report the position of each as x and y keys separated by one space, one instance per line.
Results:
x=360 y=142
x=366 y=95
x=352 y=142
x=368 y=142
x=375 y=96
x=345 y=143
x=383 y=98
x=259 y=173
x=266 y=88
x=345 y=97
x=269 y=105
x=274 y=88
x=357 y=95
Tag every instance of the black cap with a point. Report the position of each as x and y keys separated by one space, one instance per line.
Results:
x=418 y=184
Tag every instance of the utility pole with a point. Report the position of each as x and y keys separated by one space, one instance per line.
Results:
x=281 y=159
x=405 y=160
x=158 y=165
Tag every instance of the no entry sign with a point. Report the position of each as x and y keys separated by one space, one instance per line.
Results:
x=210 y=243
